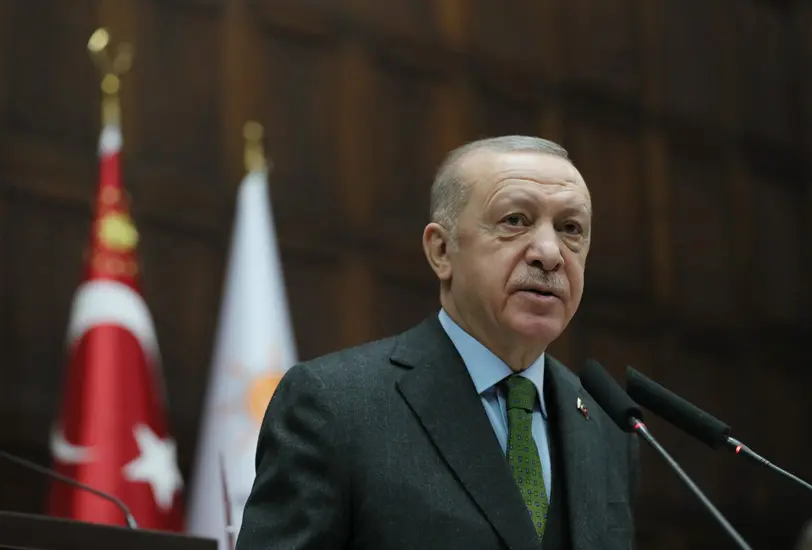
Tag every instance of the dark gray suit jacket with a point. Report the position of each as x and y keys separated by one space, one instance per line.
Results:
x=387 y=446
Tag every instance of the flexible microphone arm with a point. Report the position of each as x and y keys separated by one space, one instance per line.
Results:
x=65 y=479
x=692 y=420
x=741 y=449
x=640 y=428
x=626 y=414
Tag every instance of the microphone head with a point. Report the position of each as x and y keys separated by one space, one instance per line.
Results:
x=676 y=410
x=609 y=395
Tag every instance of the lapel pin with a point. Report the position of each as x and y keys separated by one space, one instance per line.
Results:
x=581 y=407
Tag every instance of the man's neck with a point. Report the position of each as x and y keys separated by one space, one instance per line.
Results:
x=517 y=354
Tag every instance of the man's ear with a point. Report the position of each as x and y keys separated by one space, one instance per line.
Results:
x=436 y=246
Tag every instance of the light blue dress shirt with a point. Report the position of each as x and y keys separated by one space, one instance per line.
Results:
x=487 y=370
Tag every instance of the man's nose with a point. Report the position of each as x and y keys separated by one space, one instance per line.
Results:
x=544 y=250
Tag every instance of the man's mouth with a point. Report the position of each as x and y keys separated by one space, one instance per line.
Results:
x=539 y=292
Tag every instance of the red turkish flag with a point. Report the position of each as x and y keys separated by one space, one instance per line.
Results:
x=112 y=433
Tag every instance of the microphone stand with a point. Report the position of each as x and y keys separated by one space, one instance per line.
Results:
x=131 y=523
x=740 y=448
x=640 y=428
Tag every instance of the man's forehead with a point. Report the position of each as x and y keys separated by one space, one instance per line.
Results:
x=488 y=169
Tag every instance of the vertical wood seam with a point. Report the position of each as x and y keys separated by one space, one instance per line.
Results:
x=654 y=155
x=359 y=193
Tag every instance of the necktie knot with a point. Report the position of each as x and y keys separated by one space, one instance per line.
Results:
x=521 y=393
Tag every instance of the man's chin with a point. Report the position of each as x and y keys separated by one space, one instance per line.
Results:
x=537 y=328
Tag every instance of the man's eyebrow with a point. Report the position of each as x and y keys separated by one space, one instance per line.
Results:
x=576 y=209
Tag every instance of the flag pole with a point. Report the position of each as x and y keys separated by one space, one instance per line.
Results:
x=254 y=156
x=111 y=69
x=230 y=527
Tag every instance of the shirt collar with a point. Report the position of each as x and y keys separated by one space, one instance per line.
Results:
x=485 y=368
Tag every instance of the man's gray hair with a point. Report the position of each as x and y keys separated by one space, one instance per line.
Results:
x=451 y=189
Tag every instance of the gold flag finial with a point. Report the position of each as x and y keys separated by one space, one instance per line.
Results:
x=111 y=70
x=254 y=155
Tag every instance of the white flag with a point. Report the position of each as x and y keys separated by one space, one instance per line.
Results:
x=254 y=347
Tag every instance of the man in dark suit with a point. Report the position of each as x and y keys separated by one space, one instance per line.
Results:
x=460 y=433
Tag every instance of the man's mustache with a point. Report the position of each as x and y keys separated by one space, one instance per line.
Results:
x=553 y=281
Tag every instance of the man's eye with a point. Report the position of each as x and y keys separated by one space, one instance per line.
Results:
x=515 y=220
x=572 y=228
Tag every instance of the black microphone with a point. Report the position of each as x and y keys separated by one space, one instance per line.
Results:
x=693 y=420
x=65 y=479
x=627 y=415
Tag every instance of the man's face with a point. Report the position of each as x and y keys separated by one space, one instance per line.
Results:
x=517 y=272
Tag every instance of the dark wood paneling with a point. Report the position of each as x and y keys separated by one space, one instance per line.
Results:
x=5 y=46
x=43 y=266
x=415 y=19
x=49 y=70
x=608 y=159
x=400 y=305
x=405 y=102
x=700 y=233
x=501 y=113
x=301 y=75
x=314 y=290
x=778 y=238
x=609 y=60
x=615 y=348
x=763 y=69
x=7 y=367
x=508 y=30
x=783 y=398
x=695 y=59
x=36 y=168
x=178 y=62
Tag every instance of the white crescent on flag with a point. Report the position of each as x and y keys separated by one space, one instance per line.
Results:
x=66 y=452
x=101 y=302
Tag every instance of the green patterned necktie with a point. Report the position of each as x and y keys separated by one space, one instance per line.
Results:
x=522 y=452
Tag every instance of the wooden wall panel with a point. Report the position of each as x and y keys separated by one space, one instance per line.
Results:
x=49 y=70
x=700 y=233
x=178 y=65
x=415 y=20
x=7 y=371
x=405 y=101
x=5 y=46
x=764 y=71
x=357 y=129
x=43 y=264
x=615 y=348
x=34 y=167
x=400 y=305
x=502 y=113
x=314 y=293
x=777 y=262
x=300 y=75
x=520 y=46
x=783 y=396
x=608 y=60
x=695 y=59
x=608 y=159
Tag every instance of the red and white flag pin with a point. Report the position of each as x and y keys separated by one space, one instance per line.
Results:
x=581 y=407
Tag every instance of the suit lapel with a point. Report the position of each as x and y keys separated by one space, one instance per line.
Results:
x=582 y=456
x=442 y=395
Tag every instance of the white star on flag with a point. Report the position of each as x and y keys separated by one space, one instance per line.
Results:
x=156 y=465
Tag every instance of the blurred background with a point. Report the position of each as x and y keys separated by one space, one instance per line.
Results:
x=690 y=120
